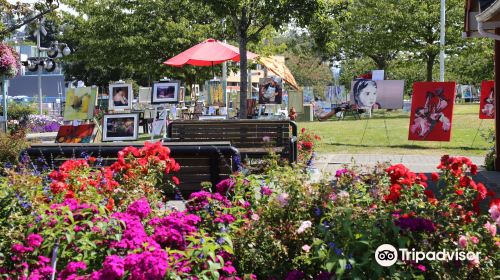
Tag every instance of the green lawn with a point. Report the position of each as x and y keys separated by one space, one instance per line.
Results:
x=345 y=136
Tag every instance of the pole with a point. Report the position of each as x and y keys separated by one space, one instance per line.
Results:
x=4 y=100
x=442 y=40
x=497 y=101
x=40 y=96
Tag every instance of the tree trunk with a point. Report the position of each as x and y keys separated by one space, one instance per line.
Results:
x=243 y=76
x=430 y=65
x=243 y=65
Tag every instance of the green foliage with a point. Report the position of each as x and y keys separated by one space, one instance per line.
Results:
x=118 y=40
x=11 y=146
x=489 y=160
x=20 y=111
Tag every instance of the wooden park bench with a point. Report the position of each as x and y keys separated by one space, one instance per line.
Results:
x=252 y=138
x=200 y=162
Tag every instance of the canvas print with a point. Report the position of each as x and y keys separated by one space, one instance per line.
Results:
x=165 y=92
x=335 y=94
x=385 y=94
x=308 y=95
x=80 y=103
x=432 y=111
x=145 y=95
x=120 y=97
x=271 y=90
x=120 y=127
x=296 y=101
x=216 y=97
x=75 y=134
x=487 y=102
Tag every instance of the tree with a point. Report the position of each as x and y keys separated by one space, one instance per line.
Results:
x=14 y=16
x=247 y=18
x=369 y=28
x=116 y=39
x=422 y=29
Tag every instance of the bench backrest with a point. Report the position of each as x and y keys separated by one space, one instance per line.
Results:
x=208 y=162
x=241 y=133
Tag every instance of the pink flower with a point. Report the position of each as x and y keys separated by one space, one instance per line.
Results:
x=492 y=228
x=305 y=225
x=462 y=241
x=139 y=208
x=282 y=199
x=474 y=261
x=421 y=267
x=306 y=248
x=255 y=217
x=474 y=239
x=34 y=240
x=494 y=212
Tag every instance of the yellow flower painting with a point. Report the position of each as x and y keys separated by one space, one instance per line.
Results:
x=80 y=103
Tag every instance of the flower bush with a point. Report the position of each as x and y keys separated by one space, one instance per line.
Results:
x=112 y=222
x=306 y=145
x=43 y=123
x=9 y=61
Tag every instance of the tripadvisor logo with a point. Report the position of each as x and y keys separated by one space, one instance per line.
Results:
x=387 y=255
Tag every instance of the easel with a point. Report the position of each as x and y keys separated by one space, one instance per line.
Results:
x=161 y=123
x=385 y=125
x=477 y=132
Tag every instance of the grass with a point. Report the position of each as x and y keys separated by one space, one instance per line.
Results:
x=346 y=136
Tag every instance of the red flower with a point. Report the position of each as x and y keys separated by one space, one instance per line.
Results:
x=111 y=204
x=175 y=180
x=473 y=169
x=434 y=176
x=459 y=191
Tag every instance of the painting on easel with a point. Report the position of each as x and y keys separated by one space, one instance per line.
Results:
x=487 y=102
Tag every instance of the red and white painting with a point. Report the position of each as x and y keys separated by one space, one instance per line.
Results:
x=487 y=102
x=432 y=111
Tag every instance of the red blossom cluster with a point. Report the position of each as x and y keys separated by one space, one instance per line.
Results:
x=401 y=177
x=307 y=140
x=75 y=176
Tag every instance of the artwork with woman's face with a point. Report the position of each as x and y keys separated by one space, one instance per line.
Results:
x=432 y=111
x=384 y=94
x=487 y=102
x=365 y=93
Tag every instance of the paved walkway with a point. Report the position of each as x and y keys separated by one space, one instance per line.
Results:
x=329 y=163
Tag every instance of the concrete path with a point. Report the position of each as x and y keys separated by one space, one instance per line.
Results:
x=329 y=163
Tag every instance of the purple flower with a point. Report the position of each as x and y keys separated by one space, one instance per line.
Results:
x=295 y=275
x=415 y=224
x=224 y=186
x=266 y=191
x=139 y=208
x=34 y=240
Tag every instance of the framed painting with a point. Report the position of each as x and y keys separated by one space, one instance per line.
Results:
x=120 y=127
x=145 y=95
x=487 y=101
x=271 y=90
x=75 y=134
x=120 y=97
x=431 y=114
x=165 y=92
x=80 y=103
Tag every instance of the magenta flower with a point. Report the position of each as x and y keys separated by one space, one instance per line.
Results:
x=266 y=191
x=139 y=208
x=34 y=240
x=225 y=186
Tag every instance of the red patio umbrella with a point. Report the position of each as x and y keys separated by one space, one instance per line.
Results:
x=207 y=53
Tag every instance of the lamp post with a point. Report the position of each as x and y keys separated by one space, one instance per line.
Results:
x=442 y=40
x=39 y=63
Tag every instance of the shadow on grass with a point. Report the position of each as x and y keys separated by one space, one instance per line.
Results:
x=403 y=146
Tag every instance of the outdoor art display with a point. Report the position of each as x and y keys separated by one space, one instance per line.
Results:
x=165 y=92
x=383 y=94
x=120 y=127
x=75 y=134
x=432 y=111
x=308 y=95
x=120 y=96
x=335 y=94
x=216 y=96
x=487 y=105
x=271 y=90
x=80 y=103
x=145 y=95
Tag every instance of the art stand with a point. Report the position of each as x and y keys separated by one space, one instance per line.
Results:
x=386 y=130
x=161 y=123
x=364 y=131
x=477 y=132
